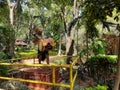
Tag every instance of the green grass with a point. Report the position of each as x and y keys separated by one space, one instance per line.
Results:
x=61 y=60
x=32 y=53
x=52 y=53
x=27 y=54
x=98 y=87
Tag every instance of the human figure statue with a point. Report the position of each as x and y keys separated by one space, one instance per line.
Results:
x=44 y=45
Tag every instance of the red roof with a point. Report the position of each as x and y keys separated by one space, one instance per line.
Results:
x=20 y=43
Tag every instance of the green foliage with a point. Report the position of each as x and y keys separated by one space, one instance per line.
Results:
x=5 y=32
x=2 y=55
x=98 y=46
x=98 y=87
x=102 y=58
x=98 y=11
x=100 y=67
x=101 y=8
x=91 y=29
x=4 y=10
x=3 y=71
x=6 y=37
x=83 y=52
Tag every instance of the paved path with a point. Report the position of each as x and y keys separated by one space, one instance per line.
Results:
x=35 y=60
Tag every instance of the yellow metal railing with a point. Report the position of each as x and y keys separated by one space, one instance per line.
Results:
x=53 y=83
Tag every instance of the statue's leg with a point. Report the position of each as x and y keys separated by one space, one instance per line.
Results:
x=39 y=57
x=47 y=59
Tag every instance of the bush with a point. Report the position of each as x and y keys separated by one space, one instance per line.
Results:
x=98 y=87
x=3 y=71
x=103 y=58
x=2 y=55
x=101 y=67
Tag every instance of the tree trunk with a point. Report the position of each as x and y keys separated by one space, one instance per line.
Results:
x=12 y=45
x=60 y=45
x=30 y=33
x=69 y=48
x=117 y=79
x=87 y=45
x=11 y=17
x=77 y=42
x=12 y=8
x=71 y=31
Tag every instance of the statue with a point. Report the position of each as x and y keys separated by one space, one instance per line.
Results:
x=44 y=45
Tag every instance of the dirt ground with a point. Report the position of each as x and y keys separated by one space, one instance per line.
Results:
x=35 y=60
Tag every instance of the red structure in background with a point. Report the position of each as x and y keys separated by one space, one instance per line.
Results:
x=112 y=44
x=42 y=74
x=19 y=42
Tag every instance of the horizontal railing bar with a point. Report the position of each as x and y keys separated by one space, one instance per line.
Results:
x=33 y=81
x=35 y=65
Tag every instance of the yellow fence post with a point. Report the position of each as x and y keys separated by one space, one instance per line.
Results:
x=71 y=77
x=53 y=75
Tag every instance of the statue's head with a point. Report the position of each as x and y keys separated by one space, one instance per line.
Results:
x=37 y=33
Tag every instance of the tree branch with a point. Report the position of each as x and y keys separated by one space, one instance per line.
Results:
x=16 y=4
x=64 y=20
x=73 y=22
x=8 y=1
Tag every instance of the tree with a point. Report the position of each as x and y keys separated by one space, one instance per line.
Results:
x=97 y=12
x=70 y=15
x=14 y=7
x=117 y=79
x=5 y=26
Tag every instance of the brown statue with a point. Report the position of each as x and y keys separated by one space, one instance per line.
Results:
x=44 y=45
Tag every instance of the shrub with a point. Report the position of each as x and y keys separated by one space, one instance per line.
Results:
x=98 y=87
x=101 y=67
x=3 y=71
x=2 y=55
